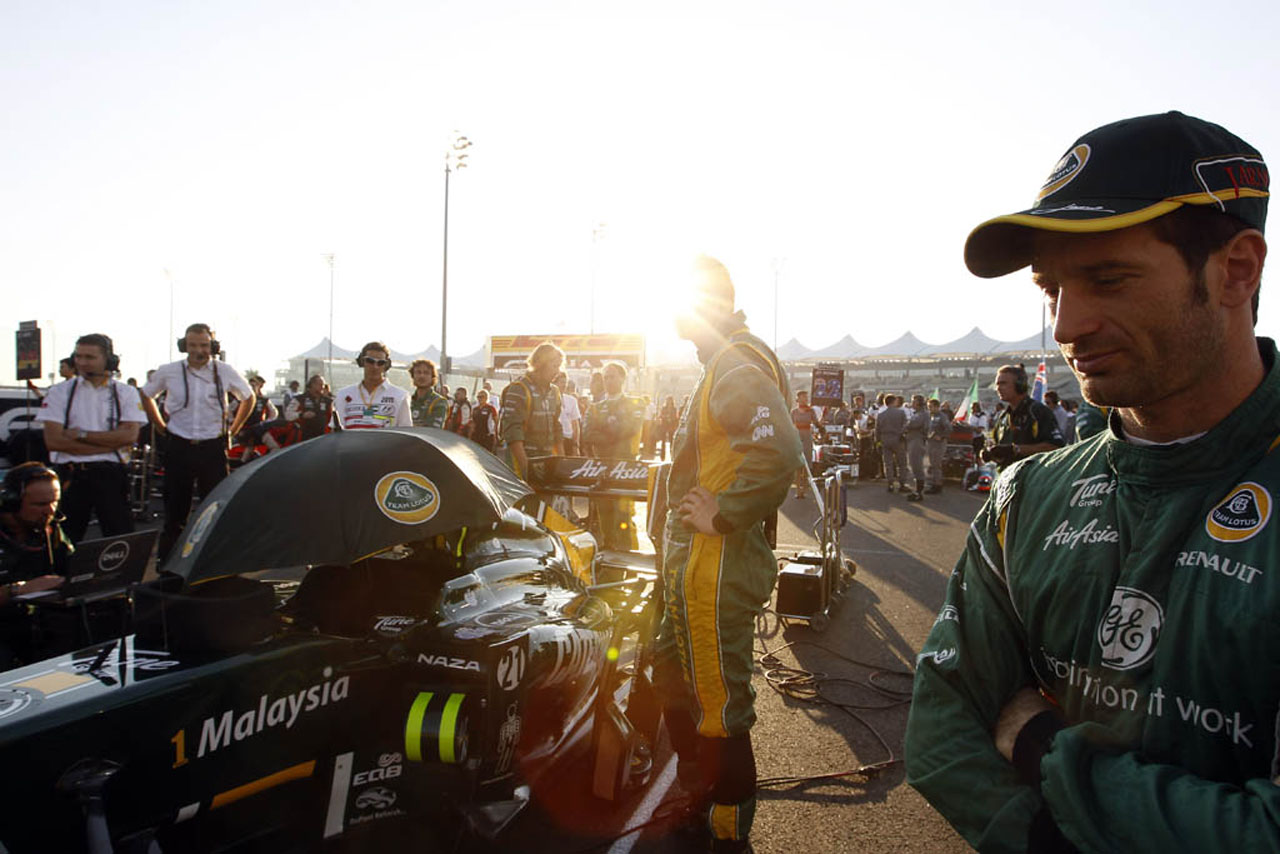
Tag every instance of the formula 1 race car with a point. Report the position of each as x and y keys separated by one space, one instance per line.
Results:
x=354 y=634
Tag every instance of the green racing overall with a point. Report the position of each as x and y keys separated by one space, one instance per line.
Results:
x=735 y=439
x=1134 y=587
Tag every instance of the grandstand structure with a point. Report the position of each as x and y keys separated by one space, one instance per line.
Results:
x=909 y=366
x=905 y=366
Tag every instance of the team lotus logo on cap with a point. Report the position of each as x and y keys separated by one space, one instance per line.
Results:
x=1071 y=164
x=407 y=497
x=1240 y=515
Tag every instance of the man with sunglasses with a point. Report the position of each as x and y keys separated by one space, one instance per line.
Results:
x=373 y=402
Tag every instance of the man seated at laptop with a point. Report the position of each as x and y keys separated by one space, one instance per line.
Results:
x=33 y=551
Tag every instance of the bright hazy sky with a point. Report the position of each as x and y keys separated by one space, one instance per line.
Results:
x=233 y=144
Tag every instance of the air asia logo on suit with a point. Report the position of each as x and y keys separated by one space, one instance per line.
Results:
x=407 y=497
x=1242 y=514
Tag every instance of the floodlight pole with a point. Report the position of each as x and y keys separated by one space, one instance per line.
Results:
x=328 y=257
x=455 y=157
x=172 y=340
x=598 y=232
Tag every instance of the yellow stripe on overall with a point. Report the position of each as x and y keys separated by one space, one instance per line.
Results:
x=717 y=468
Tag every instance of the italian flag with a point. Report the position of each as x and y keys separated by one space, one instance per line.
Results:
x=962 y=411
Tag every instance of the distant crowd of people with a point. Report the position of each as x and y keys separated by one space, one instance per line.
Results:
x=905 y=442
x=201 y=416
x=204 y=416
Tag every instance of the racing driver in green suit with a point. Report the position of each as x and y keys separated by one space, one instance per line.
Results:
x=734 y=455
x=1103 y=673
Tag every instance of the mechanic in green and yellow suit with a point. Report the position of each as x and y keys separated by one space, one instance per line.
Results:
x=530 y=417
x=734 y=455
x=427 y=407
x=612 y=431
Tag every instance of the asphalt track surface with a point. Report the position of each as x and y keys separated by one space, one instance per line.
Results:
x=904 y=551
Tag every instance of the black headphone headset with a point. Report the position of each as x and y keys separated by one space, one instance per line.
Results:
x=15 y=485
x=214 y=347
x=97 y=339
x=1020 y=383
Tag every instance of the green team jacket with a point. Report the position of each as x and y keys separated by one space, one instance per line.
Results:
x=428 y=411
x=1139 y=588
x=736 y=439
x=612 y=427
x=531 y=414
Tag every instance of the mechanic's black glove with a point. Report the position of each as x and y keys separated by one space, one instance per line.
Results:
x=1001 y=455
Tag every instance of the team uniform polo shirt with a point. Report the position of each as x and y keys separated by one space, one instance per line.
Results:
x=361 y=409
x=1026 y=424
x=192 y=406
x=93 y=410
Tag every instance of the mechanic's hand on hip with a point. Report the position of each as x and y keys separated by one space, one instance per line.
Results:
x=697 y=508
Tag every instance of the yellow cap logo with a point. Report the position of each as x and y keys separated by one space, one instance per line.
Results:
x=1240 y=515
x=1065 y=171
x=407 y=497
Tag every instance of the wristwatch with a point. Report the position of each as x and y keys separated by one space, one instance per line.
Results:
x=80 y=435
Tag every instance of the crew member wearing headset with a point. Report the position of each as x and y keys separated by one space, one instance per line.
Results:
x=373 y=402
x=33 y=552
x=195 y=390
x=90 y=423
x=1025 y=427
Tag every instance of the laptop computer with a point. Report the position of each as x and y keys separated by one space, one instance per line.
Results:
x=100 y=569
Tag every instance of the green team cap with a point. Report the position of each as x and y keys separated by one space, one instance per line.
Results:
x=1127 y=173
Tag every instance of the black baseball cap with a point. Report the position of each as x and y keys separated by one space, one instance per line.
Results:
x=1126 y=173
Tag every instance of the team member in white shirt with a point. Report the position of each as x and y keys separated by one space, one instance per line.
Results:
x=90 y=422
x=196 y=390
x=570 y=416
x=978 y=419
x=373 y=402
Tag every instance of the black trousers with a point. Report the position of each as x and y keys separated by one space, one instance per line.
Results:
x=188 y=467
x=89 y=488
